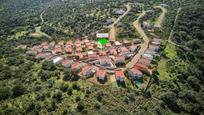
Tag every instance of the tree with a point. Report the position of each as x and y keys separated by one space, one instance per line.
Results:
x=58 y=96
x=4 y=93
x=170 y=99
x=47 y=65
x=67 y=75
x=18 y=90
x=80 y=106
x=69 y=91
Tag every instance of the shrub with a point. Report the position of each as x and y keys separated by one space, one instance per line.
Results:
x=18 y=90
x=4 y=93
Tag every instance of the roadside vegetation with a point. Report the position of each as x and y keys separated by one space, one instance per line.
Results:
x=29 y=86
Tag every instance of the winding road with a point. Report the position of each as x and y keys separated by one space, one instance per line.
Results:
x=38 y=29
x=112 y=32
x=160 y=20
x=144 y=45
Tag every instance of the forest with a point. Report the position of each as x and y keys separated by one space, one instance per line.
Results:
x=30 y=86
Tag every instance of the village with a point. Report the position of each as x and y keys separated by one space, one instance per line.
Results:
x=100 y=62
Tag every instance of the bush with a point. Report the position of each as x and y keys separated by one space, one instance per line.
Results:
x=58 y=96
x=80 y=106
x=18 y=90
x=47 y=65
x=4 y=93
x=69 y=91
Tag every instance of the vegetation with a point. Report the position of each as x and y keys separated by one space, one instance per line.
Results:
x=29 y=86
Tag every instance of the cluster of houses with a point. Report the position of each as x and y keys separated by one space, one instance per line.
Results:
x=144 y=63
x=88 y=56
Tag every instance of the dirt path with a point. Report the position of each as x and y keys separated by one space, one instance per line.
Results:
x=112 y=32
x=38 y=32
x=160 y=20
x=144 y=45
x=172 y=30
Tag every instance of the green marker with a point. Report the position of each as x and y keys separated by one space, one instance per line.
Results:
x=102 y=41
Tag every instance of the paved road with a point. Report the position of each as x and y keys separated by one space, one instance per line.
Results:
x=144 y=45
x=112 y=31
x=160 y=20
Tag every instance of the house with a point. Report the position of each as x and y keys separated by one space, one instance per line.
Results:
x=67 y=63
x=156 y=40
x=87 y=71
x=57 y=51
x=46 y=47
x=22 y=47
x=52 y=44
x=135 y=48
x=118 y=11
x=144 y=61
x=112 y=51
x=44 y=44
x=77 y=42
x=108 y=45
x=31 y=53
x=146 y=25
x=57 y=60
x=135 y=73
x=148 y=56
x=102 y=52
x=119 y=75
x=92 y=56
x=76 y=65
x=78 y=49
x=119 y=59
x=151 y=52
x=42 y=55
x=104 y=61
x=86 y=41
x=143 y=68
x=117 y=43
x=68 y=50
x=124 y=49
x=101 y=75
x=126 y=42
x=90 y=47
x=69 y=43
x=156 y=43
x=49 y=57
x=137 y=41
x=154 y=47
x=61 y=43
x=57 y=46
x=80 y=55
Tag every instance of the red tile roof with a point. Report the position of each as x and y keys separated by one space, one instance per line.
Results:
x=48 y=57
x=124 y=49
x=66 y=61
x=113 y=51
x=108 y=45
x=104 y=59
x=144 y=61
x=75 y=65
x=102 y=52
x=101 y=73
x=135 y=70
x=141 y=66
x=93 y=56
x=119 y=73
x=68 y=50
x=86 y=68
x=119 y=59
x=79 y=49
